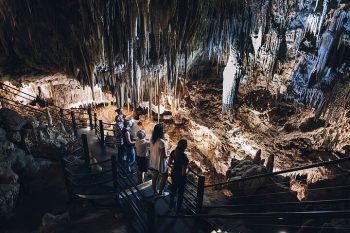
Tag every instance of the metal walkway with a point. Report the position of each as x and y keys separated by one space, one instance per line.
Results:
x=142 y=193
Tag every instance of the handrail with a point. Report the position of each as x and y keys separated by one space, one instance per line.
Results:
x=301 y=214
x=90 y=184
x=33 y=110
x=3 y=84
x=110 y=124
x=27 y=106
x=15 y=89
x=189 y=169
x=328 y=201
x=16 y=94
x=101 y=162
x=87 y=173
x=320 y=164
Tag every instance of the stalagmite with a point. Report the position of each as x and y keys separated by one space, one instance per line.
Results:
x=49 y=118
x=257 y=157
x=270 y=163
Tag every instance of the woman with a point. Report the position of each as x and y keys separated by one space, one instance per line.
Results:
x=142 y=148
x=178 y=174
x=158 y=158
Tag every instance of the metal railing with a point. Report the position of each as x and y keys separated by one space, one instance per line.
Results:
x=15 y=99
x=112 y=181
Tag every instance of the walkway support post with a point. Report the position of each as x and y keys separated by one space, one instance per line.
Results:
x=151 y=217
x=90 y=118
x=102 y=133
x=74 y=123
x=95 y=122
x=86 y=149
x=200 y=194
x=63 y=152
x=114 y=171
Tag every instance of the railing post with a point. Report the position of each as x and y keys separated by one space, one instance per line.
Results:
x=200 y=194
x=115 y=178
x=86 y=149
x=73 y=122
x=90 y=117
x=95 y=122
x=65 y=174
x=114 y=171
x=151 y=217
x=102 y=133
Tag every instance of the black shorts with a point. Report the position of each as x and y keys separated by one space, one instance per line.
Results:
x=142 y=163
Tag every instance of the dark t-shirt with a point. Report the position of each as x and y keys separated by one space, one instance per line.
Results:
x=179 y=160
x=125 y=138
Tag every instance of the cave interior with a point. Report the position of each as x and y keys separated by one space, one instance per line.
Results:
x=260 y=89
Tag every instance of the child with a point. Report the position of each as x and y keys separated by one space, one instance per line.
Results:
x=178 y=173
x=142 y=147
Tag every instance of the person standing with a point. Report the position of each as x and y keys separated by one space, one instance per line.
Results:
x=118 y=133
x=129 y=144
x=142 y=147
x=134 y=128
x=179 y=160
x=158 y=158
x=120 y=118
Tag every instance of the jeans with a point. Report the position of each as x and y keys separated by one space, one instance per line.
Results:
x=178 y=185
x=130 y=152
x=121 y=153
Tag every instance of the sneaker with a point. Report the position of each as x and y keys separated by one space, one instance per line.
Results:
x=164 y=194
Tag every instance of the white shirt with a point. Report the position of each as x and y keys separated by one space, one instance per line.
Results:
x=158 y=162
x=142 y=146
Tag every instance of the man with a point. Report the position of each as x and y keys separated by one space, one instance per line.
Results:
x=118 y=133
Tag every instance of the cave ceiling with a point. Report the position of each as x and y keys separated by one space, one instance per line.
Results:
x=85 y=38
x=296 y=47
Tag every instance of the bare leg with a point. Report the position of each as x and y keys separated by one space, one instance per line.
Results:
x=142 y=176
x=154 y=181
x=162 y=183
x=139 y=175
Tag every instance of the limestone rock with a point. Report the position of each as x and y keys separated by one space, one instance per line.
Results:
x=8 y=197
x=2 y=135
x=245 y=168
x=11 y=120
x=54 y=223
x=311 y=124
x=7 y=176
x=257 y=157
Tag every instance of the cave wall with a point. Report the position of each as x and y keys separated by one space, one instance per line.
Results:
x=58 y=89
x=300 y=55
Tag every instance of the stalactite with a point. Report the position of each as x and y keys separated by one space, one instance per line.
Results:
x=232 y=72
